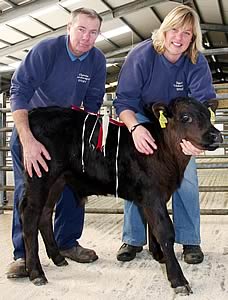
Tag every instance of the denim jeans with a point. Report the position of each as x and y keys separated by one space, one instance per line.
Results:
x=69 y=216
x=186 y=211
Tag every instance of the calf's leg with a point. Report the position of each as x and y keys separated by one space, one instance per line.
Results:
x=162 y=228
x=30 y=217
x=46 y=230
x=154 y=247
x=45 y=224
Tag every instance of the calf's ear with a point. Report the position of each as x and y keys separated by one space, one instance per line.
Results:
x=150 y=111
x=213 y=104
x=158 y=107
x=160 y=111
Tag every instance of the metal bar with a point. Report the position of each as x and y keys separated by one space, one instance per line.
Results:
x=6 y=188
x=220 y=86
x=214 y=27
x=25 y=9
x=222 y=95
x=1 y=158
x=214 y=211
x=5 y=110
x=223 y=145
x=4 y=148
x=198 y=165
x=94 y=210
x=6 y=129
x=215 y=189
x=203 y=211
x=211 y=156
x=212 y=165
x=6 y=169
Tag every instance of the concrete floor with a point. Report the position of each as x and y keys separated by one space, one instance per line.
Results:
x=141 y=279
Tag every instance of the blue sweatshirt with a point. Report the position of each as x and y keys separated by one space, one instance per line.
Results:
x=147 y=76
x=51 y=75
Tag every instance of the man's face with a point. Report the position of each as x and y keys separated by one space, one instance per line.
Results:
x=82 y=34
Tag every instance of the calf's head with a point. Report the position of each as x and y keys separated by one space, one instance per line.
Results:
x=191 y=120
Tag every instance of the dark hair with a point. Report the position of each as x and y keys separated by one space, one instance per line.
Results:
x=91 y=13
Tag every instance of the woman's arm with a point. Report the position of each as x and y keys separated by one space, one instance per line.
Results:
x=142 y=138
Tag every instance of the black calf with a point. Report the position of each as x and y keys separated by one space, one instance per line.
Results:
x=149 y=180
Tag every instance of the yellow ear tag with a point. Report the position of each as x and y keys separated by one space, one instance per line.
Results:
x=162 y=119
x=212 y=115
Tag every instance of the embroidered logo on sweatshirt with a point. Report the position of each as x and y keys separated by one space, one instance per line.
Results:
x=179 y=86
x=83 y=78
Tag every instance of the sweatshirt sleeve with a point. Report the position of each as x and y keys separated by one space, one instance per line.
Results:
x=130 y=84
x=28 y=77
x=96 y=90
x=199 y=80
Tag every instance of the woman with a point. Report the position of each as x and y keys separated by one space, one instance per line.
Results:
x=159 y=69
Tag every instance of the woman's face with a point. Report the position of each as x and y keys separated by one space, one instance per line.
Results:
x=177 y=41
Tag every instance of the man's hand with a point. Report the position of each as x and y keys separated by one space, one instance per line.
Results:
x=143 y=140
x=189 y=149
x=34 y=156
x=34 y=152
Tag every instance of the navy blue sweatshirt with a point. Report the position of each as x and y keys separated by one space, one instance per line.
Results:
x=50 y=76
x=147 y=76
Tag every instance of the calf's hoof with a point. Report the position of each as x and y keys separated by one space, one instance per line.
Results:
x=42 y=280
x=158 y=256
x=62 y=263
x=162 y=260
x=183 y=290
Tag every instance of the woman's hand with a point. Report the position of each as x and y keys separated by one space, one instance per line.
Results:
x=143 y=140
x=189 y=149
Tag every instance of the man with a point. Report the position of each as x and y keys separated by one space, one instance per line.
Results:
x=60 y=71
x=168 y=66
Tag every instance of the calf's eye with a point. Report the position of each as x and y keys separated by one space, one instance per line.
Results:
x=186 y=119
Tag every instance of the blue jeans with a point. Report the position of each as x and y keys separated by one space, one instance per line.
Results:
x=69 y=216
x=186 y=211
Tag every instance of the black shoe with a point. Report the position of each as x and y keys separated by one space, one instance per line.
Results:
x=192 y=254
x=128 y=252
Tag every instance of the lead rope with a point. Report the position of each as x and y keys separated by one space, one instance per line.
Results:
x=83 y=142
x=117 y=154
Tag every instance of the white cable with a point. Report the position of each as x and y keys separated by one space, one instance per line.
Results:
x=94 y=126
x=83 y=143
x=117 y=154
x=105 y=125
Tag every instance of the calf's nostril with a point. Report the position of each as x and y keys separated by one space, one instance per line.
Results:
x=217 y=137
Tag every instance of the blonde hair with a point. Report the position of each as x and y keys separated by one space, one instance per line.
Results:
x=180 y=16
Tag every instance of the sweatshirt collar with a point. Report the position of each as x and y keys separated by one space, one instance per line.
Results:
x=177 y=64
x=72 y=56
